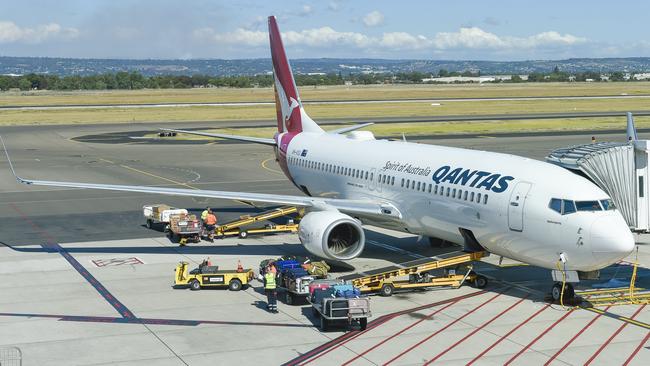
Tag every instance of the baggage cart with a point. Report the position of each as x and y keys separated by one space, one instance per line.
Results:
x=333 y=311
x=184 y=228
x=160 y=214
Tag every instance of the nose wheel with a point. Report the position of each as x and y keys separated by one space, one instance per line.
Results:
x=556 y=292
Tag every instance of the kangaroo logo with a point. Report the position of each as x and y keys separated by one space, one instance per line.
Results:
x=286 y=104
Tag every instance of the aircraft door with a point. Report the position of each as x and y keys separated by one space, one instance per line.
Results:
x=372 y=182
x=516 y=206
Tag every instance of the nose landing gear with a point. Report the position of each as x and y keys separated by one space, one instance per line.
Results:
x=567 y=296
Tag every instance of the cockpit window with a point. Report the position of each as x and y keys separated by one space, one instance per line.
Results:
x=588 y=206
x=607 y=204
x=568 y=207
x=555 y=205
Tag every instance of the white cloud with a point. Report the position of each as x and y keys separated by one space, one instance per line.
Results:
x=326 y=36
x=466 y=38
x=373 y=19
x=476 y=38
x=10 y=32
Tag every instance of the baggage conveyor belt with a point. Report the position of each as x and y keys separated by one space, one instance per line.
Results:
x=379 y=278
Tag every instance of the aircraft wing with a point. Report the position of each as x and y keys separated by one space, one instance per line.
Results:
x=257 y=140
x=353 y=207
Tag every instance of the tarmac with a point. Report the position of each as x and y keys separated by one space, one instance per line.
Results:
x=83 y=282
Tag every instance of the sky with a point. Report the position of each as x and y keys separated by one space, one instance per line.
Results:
x=441 y=30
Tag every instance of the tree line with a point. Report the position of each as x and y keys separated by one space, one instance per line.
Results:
x=135 y=80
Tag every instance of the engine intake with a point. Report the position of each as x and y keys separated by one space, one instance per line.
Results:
x=332 y=235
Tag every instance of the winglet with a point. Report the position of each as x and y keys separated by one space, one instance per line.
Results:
x=11 y=165
x=631 y=130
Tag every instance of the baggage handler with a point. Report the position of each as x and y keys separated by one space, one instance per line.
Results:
x=270 y=289
x=210 y=223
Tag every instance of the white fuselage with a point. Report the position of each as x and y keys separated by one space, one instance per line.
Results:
x=502 y=199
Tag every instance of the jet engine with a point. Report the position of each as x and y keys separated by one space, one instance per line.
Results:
x=332 y=235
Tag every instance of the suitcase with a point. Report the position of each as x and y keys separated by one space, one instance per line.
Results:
x=282 y=265
x=320 y=294
x=294 y=273
x=343 y=287
x=317 y=285
x=348 y=294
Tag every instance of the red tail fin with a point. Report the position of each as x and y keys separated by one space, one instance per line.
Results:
x=290 y=114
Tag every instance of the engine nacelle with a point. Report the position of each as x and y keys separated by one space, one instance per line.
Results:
x=332 y=235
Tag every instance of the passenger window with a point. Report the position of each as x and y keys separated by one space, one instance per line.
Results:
x=465 y=196
x=460 y=193
x=429 y=190
x=555 y=205
x=435 y=189
x=366 y=175
x=408 y=183
x=418 y=186
x=453 y=193
x=371 y=174
x=448 y=190
x=471 y=197
x=568 y=207
x=478 y=198
x=392 y=181
x=485 y=199
x=402 y=182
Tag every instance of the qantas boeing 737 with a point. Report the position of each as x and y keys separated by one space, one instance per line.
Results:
x=515 y=207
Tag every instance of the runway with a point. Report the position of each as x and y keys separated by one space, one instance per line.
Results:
x=60 y=308
x=320 y=102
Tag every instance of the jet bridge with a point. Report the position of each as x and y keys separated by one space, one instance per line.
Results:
x=618 y=168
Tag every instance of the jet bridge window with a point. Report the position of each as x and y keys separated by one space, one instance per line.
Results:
x=588 y=206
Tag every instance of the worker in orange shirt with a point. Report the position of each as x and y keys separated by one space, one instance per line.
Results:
x=210 y=223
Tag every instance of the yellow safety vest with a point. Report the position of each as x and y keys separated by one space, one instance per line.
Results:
x=204 y=214
x=269 y=281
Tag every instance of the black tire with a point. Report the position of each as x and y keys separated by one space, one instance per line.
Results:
x=324 y=324
x=290 y=299
x=386 y=290
x=243 y=234
x=480 y=281
x=235 y=285
x=195 y=285
x=149 y=224
x=363 y=323
x=556 y=291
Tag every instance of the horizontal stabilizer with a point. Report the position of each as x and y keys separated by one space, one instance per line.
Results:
x=351 y=128
x=256 y=140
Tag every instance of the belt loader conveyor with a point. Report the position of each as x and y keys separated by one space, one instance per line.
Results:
x=384 y=280
x=235 y=227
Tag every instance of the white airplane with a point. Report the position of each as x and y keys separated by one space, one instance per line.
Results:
x=511 y=206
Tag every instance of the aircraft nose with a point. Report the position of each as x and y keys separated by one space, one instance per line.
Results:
x=610 y=236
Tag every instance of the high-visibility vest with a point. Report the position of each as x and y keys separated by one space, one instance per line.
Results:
x=211 y=219
x=204 y=215
x=269 y=279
